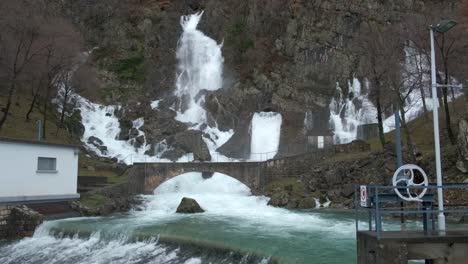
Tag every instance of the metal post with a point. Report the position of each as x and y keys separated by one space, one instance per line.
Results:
x=39 y=130
x=440 y=197
x=356 y=204
x=398 y=138
x=378 y=218
x=398 y=152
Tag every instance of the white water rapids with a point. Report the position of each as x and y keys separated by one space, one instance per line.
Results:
x=233 y=218
x=347 y=112
x=222 y=196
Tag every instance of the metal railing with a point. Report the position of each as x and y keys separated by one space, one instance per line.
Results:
x=380 y=197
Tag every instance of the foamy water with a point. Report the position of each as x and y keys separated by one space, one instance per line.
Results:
x=223 y=197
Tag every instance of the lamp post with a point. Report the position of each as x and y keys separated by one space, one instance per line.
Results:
x=442 y=27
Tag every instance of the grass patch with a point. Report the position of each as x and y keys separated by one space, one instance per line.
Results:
x=345 y=157
x=422 y=130
x=16 y=125
x=131 y=68
x=288 y=184
x=89 y=166
x=94 y=201
x=238 y=36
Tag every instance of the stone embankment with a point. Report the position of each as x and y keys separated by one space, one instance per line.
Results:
x=18 y=221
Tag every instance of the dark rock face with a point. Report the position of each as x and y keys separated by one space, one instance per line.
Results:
x=98 y=144
x=283 y=56
x=74 y=125
x=238 y=146
x=191 y=141
x=189 y=206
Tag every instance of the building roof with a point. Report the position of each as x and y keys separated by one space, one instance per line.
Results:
x=35 y=142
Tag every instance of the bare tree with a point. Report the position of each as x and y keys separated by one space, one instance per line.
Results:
x=380 y=53
x=62 y=45
x=18 y=46
x=65 y=94
x=36 y=85
x=451 y=48
x=35 y=44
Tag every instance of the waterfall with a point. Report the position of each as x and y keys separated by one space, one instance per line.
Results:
x=266 y=130
x=199 y=69
x=347 y=113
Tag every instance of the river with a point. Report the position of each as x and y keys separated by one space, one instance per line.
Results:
x=237 y=227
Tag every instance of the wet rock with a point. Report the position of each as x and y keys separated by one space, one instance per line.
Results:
x=139 y=141
x=461 y=166
x=191 y=141
x=279 y=199
x=207 y=175
x=173 y=154
x=334 y=177
x=292 y=204
x=189 y=206
x=98 y=144
x=238 y=146
x=306 y=203
x=21 y=222
x=347 y=190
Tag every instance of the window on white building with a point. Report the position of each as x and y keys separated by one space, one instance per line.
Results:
x=46 y=164
x=320 y=142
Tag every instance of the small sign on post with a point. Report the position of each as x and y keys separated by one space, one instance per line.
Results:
x=364 y=199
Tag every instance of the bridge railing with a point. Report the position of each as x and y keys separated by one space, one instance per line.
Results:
x=284 y=151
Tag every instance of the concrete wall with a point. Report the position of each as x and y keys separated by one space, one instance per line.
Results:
x=20 y=180
x=401 y=246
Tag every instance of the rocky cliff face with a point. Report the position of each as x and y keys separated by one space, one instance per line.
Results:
x=283 y=56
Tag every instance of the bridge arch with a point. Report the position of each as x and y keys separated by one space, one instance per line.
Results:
x=148 y=176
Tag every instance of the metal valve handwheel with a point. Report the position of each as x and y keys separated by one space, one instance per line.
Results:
x=404 y=177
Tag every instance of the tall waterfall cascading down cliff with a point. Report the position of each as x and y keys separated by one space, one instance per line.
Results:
x=265 y=135
x=199 y=69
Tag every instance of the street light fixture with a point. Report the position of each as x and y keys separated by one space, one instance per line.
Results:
x=442 y=27
x=445 y=25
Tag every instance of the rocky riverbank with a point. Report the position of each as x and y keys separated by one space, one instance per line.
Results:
x=18 y=221
x=334 y=178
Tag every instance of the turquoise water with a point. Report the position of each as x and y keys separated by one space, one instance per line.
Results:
x=286 y=245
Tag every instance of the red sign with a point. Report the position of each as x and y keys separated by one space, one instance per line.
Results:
x=363 y=196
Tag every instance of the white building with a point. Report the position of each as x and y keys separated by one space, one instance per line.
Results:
x=32 y=171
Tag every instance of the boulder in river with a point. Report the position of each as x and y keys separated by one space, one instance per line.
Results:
x=189 y=206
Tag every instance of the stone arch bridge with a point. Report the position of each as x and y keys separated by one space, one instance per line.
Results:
x=145 y=177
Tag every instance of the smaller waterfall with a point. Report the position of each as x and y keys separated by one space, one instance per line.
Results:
x=347 y=113
x=266 y=130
